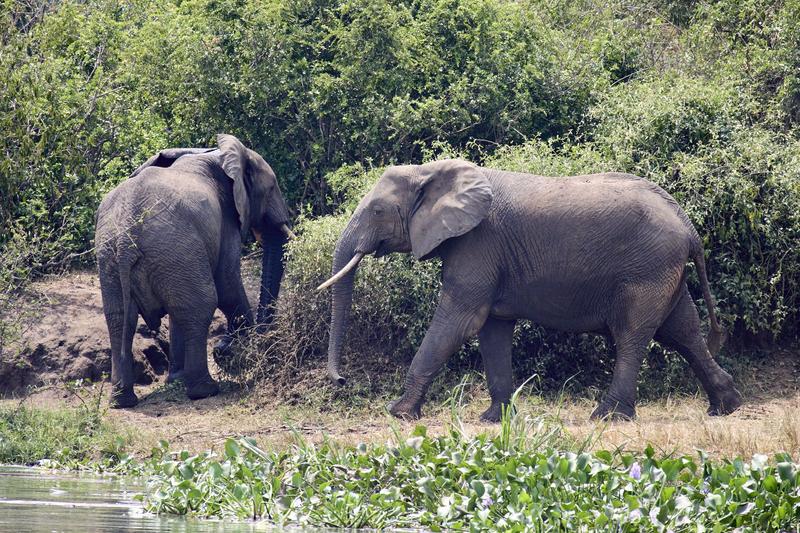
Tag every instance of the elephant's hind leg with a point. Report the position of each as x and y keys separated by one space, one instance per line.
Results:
x=121 y=336
x=121 y=339
x=496 y=339
x=681 y=331
x=637 y=318
x=190 y=299
x=177 y=351
x=193 y=323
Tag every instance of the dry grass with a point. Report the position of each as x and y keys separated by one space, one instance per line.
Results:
x=674 y=425
x=681 y=425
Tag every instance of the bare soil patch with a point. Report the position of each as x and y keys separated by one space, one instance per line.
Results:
x=64 y=337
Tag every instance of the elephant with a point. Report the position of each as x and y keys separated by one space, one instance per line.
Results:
x=168 y=242
x=601 y=253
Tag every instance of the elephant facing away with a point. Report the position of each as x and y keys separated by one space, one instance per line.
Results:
x=602 y=253
x=168 y=242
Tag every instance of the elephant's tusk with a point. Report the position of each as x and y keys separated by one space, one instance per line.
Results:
x=343 y=272
x=289 y=233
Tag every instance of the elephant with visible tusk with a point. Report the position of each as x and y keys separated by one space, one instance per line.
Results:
x=602 y=253
x=168 y=241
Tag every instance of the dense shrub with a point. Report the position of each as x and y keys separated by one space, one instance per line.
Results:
x=91 y=89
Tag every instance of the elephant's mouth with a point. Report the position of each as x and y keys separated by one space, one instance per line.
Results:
x=272 y=230
x=382 y=249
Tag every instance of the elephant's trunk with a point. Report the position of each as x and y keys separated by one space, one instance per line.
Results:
x=342 y=298
x=271 y=274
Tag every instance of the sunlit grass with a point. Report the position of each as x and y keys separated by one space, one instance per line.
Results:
x=64 y=436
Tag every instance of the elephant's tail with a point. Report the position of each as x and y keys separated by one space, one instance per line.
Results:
x=716 y=335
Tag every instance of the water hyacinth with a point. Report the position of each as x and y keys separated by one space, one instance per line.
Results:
x=486 y=501
x=457 y=482
x=636 y=471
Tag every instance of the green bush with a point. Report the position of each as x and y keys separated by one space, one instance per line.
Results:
x=93 y=88
x=738 y=182
x=646 y=124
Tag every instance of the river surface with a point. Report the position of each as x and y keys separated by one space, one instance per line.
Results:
x=36 y=500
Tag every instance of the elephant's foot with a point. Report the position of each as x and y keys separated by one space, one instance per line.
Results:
x=725 y=403
x=495 y=412
x=123 y=398
x=614 y=411
x=405 y=409
x=202 y=389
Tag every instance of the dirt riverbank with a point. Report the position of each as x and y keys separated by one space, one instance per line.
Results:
x=64 y=337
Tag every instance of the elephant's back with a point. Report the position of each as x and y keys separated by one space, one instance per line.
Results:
x=166 y=215
x=115 y=218
x=571 y=244
x=587 y=227
x=615 y=203
x=162 y=227
x=189 y=202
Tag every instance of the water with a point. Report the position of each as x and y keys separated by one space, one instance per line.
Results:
x=34 y=500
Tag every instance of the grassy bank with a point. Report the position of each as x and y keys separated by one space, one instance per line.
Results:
x=64 y=436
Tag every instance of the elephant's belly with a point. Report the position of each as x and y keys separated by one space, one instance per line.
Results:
x=564 y=310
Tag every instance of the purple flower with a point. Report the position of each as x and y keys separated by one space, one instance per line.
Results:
x=486 y=500
x=636 y=514
x=636 y=471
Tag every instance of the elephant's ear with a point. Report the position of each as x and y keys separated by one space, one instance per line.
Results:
x=234 y=163
x=454 y=197
x=166 y=158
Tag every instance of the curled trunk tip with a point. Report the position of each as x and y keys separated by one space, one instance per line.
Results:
x=336 y=377
x=288 y=232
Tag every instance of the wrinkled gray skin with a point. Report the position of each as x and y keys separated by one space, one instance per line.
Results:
x=169 y=241
x=603 y=253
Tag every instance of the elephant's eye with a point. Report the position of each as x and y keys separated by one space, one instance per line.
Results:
x=378 y=211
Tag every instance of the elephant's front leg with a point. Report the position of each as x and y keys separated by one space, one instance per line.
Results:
x=496 y=339
x=236 y=308
x=456 y=319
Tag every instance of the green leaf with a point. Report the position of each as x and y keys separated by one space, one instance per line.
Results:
x=232 y=449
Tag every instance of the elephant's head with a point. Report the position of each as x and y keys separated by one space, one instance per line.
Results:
x=261 y=209
x=412 y=208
